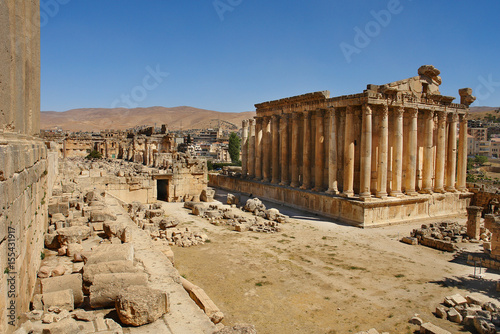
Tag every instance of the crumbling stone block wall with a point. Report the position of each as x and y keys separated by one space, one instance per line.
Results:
x=27 y=167
x=484 y=199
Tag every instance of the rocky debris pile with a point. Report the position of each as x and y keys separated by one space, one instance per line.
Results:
x=238 y=329
x=152 y=218
x=371 y=331
x=267 y=221
x=471 y=312
x=106 y=167
x=443 y=236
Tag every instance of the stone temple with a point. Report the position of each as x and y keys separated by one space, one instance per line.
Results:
x=386 y=155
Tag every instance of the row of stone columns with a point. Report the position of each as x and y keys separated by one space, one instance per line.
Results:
x=268 y=152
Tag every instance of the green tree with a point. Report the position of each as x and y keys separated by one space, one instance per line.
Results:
x=94 y=154
x=481 y=159
x=234 y=147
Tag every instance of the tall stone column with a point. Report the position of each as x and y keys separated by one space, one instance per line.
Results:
x=251 y=149
x=295 y=150
x=349 y=153
x=462 y=155
x=275 y=158
x=285 y=180
x=306 y=152
x=332 y=154
x=319 y=151
x=428 y=154
x=244 y=148
x=258 y=148
x=397 y=161
x=452 y=154
x=266 y=149
x=474 y=222
x=440 y=152
x=366 y=152
x=382 y=154
x=411 y=166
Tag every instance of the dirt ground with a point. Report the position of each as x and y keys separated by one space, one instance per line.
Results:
x=319 y=276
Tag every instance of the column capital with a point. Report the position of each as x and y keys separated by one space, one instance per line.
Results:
x=453 y=117
x=413 y=112
x=349 y=110
x=245 y=122
x=429 y=113
x=258 y=120
x=384 y=110
x=295 y=115
x=331 y=111
x=462 y=118
x=275 y=117
x=251 y=121
x=320 y=112
x=367 y=109
x=399 y=111
x=441 y=114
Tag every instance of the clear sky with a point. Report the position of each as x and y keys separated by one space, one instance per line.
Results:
x=227 y=55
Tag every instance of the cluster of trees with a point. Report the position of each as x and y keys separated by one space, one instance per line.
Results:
x=94 y=154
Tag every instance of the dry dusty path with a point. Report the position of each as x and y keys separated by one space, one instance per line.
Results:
x=318 y=276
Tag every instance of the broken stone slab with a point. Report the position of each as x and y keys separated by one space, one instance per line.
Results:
x=254 y=204
x=65 y=326
x=483 y=325
x=44 y=272
x=272 y=214
x=429 y=328
x=441 y=312
x=75 y=234
x=199 y=209
x=233 y=199
x=72 y=281
x=111 y=267
x=241 y=227
x=62 y=299
x=110 y=252
x=93 y=196
x=101 y=215
x=154 y=213
x=140 y=305
x=458 y=299
x=83 y=315
x=410 y=240
x=454 y=316
x=74 y=249
x=51 y=240
x=207 y=195
x=107 y=287
x=168 y=222
x=199 y=296
x=119 y=230
x=237 y=329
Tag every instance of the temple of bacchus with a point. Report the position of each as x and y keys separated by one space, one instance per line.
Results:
x=386 y=155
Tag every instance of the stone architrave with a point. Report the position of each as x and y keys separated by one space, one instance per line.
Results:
x=397 y=164
x=366 y=152
x=474 y=222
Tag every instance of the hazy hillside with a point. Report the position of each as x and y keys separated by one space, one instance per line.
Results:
x=480 y=112
x=121 y=118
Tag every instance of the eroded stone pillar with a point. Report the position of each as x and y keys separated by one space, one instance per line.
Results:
x=244 y=148
x=285 y=180
x=332 y=154
x=319 y=173
x=462 y=155
x=295 y=150
x=251 y=149
x=452 y=153
x=428 y=151
x=349 y=153
x=474 y=222
x=440 y=152
x=382 y=154
x=258 y=148
x=411 y=166
x=366 y=152
x=266 y=151
x=397 y=162
x=275 y=158
x=306 y=152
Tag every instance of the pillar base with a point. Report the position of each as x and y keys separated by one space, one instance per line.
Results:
x=274 y=181
x=305 y=187
x=451 y=189
x=426 y=191
x=332 y=192
x=396 y=194
x=411 y=193
x=318 y=190
x=347 y=194
x=365 y=197
x=266 y=180
x=294 y=185
x=381 y=195
x=462 y=189
x=284 y=183
x=440 y=190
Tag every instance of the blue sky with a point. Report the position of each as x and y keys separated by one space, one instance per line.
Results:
x=227 y=55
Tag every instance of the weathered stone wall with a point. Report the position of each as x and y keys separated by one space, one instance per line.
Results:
x=20 y=66
x=358 y=213
x=483 y=199
x=27 y=169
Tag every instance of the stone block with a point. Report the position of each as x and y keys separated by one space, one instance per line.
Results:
x=64 y=326
x=238 y=329
x=107 y=253
x=140 y=305
x=106 y=287
x=207 y=195
x=62 y=299
x=241 y=227
x=199 y=209
x=73 y=249
x=410 y=240
x=73 y=282
x=454 y=316
x=75 y=234
x=429 y=328
x=101 y=215
x=458 y=299
x=92 y=269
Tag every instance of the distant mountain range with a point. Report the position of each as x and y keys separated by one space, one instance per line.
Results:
x=482 y=109
x=96 y=119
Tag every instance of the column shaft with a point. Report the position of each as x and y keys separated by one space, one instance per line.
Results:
x=366 y=152
x=397 y=162
x=452 y=154
x=295 y=150
x=266 y=151
x=306 y=152
x=411 y=166
x=428 y=148
x=440 y=152
x=332 y=154
x=275 y=169
x=382 y=155
x=285 y=180
x=319 y=151
x=462 y=155
x=244 y=148
x=251 y=149
x=349 y=154
x=258 y=148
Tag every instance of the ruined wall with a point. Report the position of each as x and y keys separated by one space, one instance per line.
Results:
x=27 y=167
x=20 y=66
